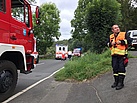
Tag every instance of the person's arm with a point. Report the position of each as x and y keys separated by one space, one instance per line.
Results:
x=129 y=40
x=108 y=43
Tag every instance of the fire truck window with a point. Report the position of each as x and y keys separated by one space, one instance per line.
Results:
x=59 y=48
x=2 y=6
x=27 y=16
x=20 y=14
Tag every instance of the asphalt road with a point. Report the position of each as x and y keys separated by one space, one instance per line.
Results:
x=43 y=69
x=97 y=90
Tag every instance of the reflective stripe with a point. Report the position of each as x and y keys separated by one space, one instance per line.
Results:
x=126 y=51
x=122 y=73
x=115 y=74
x=125 y=41
x=117 y=51
x=126 y=47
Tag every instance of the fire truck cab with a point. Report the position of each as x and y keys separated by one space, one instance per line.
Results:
x=16 y=43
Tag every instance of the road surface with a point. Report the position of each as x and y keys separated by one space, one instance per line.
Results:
x=97 y=90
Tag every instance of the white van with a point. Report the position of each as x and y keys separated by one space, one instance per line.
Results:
x=133 y=35
x=61 y=49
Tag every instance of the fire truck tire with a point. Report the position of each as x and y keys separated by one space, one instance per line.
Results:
x=8 y=79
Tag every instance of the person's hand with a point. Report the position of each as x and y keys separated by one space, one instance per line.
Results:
x=113 y=43
x=118 y=42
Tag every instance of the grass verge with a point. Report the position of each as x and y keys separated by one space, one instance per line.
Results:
x=86 y=67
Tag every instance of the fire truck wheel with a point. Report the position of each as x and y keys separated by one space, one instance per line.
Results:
x=8 y=79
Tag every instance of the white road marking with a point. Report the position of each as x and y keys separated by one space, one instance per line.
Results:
x=40 y=64
x=33 y=85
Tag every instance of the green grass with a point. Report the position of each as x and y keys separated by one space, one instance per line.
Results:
x=86 y=67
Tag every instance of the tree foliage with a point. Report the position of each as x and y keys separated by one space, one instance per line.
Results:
x=48 y=28
x=101 y=15
x=80 y=32
x=92 y=22
x=128 y=11
x=80 y=29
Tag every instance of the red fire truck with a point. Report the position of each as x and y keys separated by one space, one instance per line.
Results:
x=16 y=43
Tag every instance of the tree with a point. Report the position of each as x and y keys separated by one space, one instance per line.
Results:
x=92 y=22
x=101 y=15
x=128 y=11
x=80 y=29
x=48 y=28
x=133 y=25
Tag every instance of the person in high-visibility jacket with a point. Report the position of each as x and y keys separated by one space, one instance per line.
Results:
x=118 y=42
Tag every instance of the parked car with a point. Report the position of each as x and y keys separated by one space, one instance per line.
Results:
x=133 y=35
x=77 y=52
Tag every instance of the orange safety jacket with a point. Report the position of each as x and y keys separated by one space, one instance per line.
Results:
x=118 y=49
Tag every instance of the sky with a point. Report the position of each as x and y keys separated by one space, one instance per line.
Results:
x=66 y=8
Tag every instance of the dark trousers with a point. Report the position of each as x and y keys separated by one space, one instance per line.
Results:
x=69 y=56
x=118 y=64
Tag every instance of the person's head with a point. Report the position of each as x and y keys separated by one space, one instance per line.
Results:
x=115 y=29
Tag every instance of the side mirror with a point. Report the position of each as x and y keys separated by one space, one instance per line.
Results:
x=37 y=15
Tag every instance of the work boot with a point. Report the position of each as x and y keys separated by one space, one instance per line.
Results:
x=121 y=82
x=116 y=82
